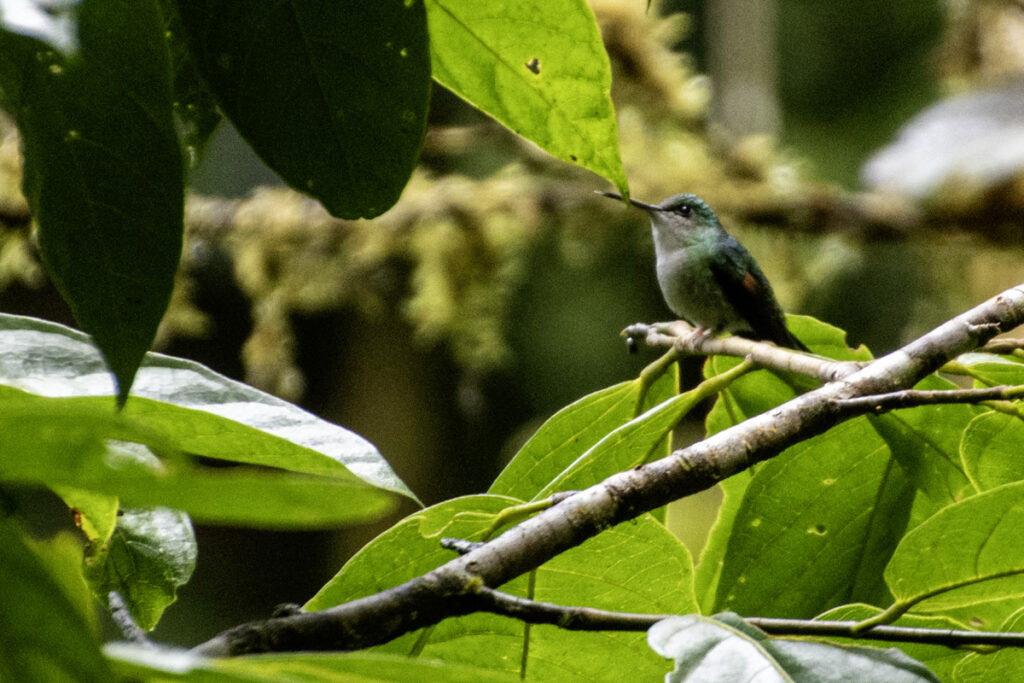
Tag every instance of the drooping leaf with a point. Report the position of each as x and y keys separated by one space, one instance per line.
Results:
x=102 y=170
x=538 y=68
x=151 y=554
x=332 y=95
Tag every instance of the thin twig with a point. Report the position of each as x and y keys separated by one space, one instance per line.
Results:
x=590 y=619
x=910 y=398
x=122 y=616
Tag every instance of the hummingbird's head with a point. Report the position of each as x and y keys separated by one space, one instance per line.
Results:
x=678 y=219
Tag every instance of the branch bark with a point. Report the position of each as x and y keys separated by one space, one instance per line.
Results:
x=452 y=589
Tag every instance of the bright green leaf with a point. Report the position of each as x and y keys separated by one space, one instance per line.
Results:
x=570 y=432
x=637 y=566
x=816 y=526
x=103 y=170
x=968 y=553
x=726 y=649
x=628 y=446
x=992 y=370
x=538 y=68
x=151 y=554
x=332 y=95
x=990 y=450
x=45 y=634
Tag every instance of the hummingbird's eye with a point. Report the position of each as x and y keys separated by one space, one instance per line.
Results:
x=684 y=211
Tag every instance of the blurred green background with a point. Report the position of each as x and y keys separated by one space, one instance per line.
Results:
x=493 y=293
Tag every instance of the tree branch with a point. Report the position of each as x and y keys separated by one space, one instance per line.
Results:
x=909 y=398
x=590 y=619
x=681 y=337
x=452 y=589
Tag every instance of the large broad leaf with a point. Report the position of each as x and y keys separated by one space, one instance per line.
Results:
x=727 y=649
x=638 y=566
x=816 y=527
x=103 y=171
x=752 y=395
x=332 y=95
x=45 y=630
x=967 y=554
x=538 y=67
x=60 y=435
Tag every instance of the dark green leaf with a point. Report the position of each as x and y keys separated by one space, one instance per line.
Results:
x=332 y=95
x=539 y=68
x=194 y=104
x=151 y=554
x=726 y=649
x=103 y=171
x=44 y=630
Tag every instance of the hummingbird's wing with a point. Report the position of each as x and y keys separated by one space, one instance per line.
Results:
x=747 y=289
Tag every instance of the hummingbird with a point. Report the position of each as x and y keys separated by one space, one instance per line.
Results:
x=707 y=277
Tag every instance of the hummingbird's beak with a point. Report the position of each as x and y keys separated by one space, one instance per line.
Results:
x=637 y=204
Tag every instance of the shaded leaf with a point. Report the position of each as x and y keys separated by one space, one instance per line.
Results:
x=102 y=171
x=332 y=96
x=45 y=632
x=815 y=527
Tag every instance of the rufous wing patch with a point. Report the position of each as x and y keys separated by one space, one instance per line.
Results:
x=750 y=283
